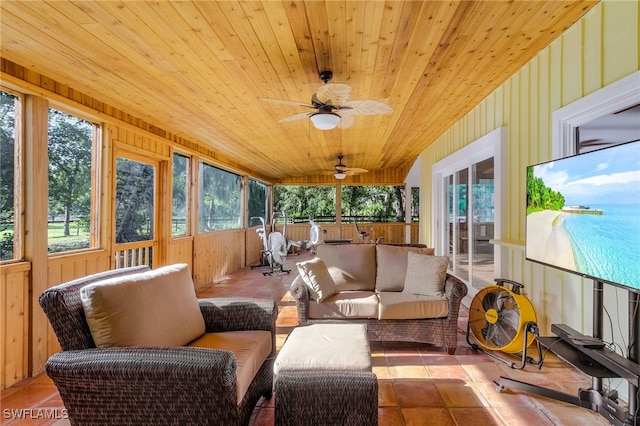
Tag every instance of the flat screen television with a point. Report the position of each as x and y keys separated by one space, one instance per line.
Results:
x=583 y=214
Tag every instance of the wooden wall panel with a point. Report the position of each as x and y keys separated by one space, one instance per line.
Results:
x=14 y=323
x=217 y=254
x=253 y=246
x=180 y=250
x=600 y=49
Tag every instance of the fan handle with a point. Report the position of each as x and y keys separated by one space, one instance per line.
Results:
x=515 y=286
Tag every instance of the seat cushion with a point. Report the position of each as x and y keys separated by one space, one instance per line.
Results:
x=153 y=308
x=316 y=276
x=392 y=265
x=352 y=266
x=425 y=274
x=346 y=305
x=398 y=305
x=251 y=348
x=325 y=347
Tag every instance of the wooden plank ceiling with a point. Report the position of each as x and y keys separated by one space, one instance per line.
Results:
x=200 y=68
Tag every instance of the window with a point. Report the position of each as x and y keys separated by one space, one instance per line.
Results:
x=302 y=202
x=70 y=146
x=257 y=200
x=135 y=201
x=415 y=204
x=220 y=198
x=180 y=196
x=9 y=107
x=373 y=203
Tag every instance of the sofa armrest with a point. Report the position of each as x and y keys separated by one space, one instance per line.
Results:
x=300 y=293
x=145 y=385
x=235 y=314
x=454 y=290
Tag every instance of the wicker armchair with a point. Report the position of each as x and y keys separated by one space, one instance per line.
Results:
x=136 y=385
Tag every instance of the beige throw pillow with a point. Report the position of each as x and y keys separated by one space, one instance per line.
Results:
x=316 y=276
x=392 y=265
x=425 y=274
x=153 y=308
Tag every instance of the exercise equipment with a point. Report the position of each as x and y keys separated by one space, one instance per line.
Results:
x=311 y=243
x=274 y=245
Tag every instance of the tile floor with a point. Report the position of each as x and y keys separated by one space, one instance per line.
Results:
x=418 y=384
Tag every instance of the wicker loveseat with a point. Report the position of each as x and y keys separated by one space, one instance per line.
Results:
x=161 y=385
x=370 y=289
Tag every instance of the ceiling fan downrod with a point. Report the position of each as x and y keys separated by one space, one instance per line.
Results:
x=326 y=76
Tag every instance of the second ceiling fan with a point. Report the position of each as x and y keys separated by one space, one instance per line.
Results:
x=332 y=105
x=341 y=171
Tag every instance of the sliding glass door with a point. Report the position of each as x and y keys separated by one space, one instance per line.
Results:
x=469 y=206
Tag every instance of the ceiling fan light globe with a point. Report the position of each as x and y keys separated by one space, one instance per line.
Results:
x=325 y=120
x=340 y=175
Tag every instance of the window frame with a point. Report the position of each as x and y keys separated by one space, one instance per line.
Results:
x=18 y=176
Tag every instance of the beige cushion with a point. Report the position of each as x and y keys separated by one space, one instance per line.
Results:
x=251 y=348
x=392 y=265
x=352 y=266
x=398 y=305
x=425 y=274
x=153 y=308
x=346 y=305
x=316 y=276
x=325 y=347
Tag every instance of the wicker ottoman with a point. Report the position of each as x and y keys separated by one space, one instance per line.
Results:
x=323 y=377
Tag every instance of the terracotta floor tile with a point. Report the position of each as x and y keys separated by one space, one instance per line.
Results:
x=447 y=372
x=417 y=393
x=390 y=417
x=477 y=416
x=457 y=393
x=408 y=372
x=386 y=394
x=514 y=415
x=427 y=417
x=575 y=416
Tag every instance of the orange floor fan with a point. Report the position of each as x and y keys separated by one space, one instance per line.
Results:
x=503 y=319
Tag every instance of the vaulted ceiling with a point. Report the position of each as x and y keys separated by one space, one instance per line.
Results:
x=200 y=69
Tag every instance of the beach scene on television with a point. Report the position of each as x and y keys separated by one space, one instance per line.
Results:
x=583 y=214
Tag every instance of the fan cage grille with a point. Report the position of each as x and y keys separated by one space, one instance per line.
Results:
x=497 y=319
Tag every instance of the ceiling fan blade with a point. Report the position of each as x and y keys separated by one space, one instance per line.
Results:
x=285 y=102
x=367 y=107
x=346 y=120
x=355 y=171
x=335 y=94
x=294 y=117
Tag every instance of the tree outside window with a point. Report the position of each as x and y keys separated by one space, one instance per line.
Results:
x=135 y=201
x=257 y=201
x=373 y=204
x=303 y=202
x=70 y=161
x=219 y=198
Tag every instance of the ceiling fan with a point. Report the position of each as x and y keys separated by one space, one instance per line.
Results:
x=341 y=171
x=332 y=105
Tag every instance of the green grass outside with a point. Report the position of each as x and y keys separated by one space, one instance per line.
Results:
x=55 y=232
